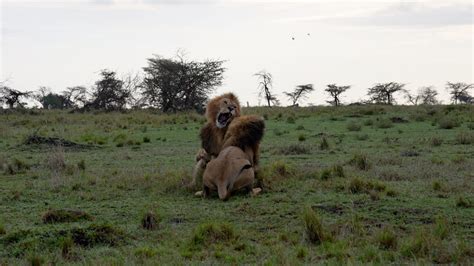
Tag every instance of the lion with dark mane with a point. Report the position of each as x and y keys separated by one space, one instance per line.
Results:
x=225 y=127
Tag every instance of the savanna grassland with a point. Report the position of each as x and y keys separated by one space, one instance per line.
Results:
x=356 y=184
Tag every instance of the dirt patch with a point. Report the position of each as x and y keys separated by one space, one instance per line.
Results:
x=51 y=141
x=336 y=209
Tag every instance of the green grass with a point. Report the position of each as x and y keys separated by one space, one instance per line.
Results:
x=380 y=192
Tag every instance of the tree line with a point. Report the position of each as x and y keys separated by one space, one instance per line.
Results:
x=177 y=84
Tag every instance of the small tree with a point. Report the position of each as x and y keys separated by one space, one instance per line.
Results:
x=133 y=83
x=460 y=92
x=13 y=98
x=334 y=91
x=108 y=93
x=299 y=93
x=382 y=93
x=265 y=87
x=178 y=84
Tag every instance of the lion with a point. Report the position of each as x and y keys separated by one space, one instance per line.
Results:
x=226 y=127
x=231 y=171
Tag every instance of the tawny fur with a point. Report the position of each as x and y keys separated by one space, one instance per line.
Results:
x=230 y=171
x=244 y=132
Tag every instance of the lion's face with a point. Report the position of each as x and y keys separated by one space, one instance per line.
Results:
x=227 y=112
x=222 y=110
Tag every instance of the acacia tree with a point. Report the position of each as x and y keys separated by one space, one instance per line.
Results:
x=424 y=95
x=178 y=84
x=13 y=98
x=460 y=92
x=299 y=93
x=334 y=91
x=108 y=93
x=382 y=93
x=265 y=87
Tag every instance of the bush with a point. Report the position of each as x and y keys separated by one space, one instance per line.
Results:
x=81 y=165
x=436 y=185
x=353 y=126
x=65 y=216
x=338 y=170
x=146 y=139
x=326 y=174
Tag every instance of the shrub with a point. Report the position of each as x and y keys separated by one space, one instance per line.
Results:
x=353 y=126
x=464 y=138
x=368 y=122
x=360 y=161
x=386 y=238
x=314 y=227
x=448 y=122
x=391 y=193
x=290 y=120
x=2 y=229
x=300 y=127
x=146 y=139
x=66 y=245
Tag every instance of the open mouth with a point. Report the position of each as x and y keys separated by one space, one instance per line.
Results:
x=223 y=119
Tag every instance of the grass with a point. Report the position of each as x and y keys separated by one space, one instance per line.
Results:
x=373 y=192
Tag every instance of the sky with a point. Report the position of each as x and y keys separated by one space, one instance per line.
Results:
x=60 y=44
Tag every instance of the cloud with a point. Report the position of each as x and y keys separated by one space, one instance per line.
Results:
x=408 y=14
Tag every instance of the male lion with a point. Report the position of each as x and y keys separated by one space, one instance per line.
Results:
x=225 y=127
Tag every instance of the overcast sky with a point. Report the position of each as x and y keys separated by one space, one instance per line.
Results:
x=66 y=43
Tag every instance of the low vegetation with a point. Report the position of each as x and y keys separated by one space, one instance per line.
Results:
x=112 y=189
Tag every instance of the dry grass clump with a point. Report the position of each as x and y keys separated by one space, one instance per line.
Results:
x=386 y=238
x=210 y=233
x=464 y=138
x=360 y=161
x=324 y=144
x=359 y=185
x=462 y=202
x=384 y=123
x=150 y=221
x=315 y=231
x=436 y=141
